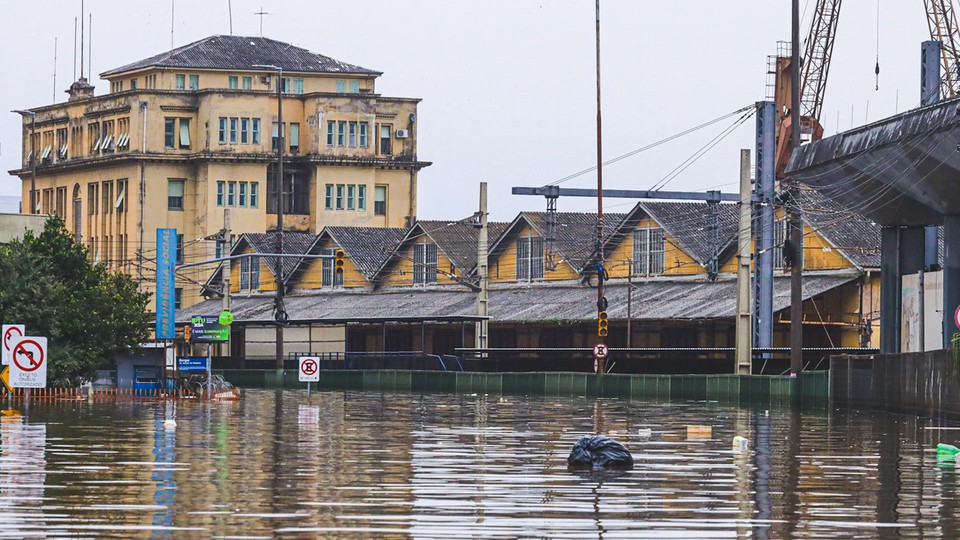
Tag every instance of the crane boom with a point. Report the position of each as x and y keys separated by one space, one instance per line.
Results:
x=816 y=59
x=942 y=22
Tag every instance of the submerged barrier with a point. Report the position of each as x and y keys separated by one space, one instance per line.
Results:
x=96 y=394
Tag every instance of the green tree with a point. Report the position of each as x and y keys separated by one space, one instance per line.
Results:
x=88 y=314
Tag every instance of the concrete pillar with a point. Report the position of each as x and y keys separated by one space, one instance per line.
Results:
x=951 y=276
x=901 y=253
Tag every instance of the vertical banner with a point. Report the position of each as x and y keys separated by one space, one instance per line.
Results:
x=166 y=258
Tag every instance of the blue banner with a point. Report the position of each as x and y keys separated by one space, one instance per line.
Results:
x=186 y=364
x=166 y=258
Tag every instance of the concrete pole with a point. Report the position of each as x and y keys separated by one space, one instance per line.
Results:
x=225 y=273
x=483 y=326
x=744 y=236
x=796 y=223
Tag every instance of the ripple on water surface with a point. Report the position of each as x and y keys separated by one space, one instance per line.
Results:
x=364 y=465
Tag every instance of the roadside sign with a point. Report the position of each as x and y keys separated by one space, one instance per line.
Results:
x=600 y=351
x=11 y=333
x=956 y=317
x=309 y=369
x=207 y=329
x=28 y=363
x=226 y=318
x=192 y=364
x=5 y=378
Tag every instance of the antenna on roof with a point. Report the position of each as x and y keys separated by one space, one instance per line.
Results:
x=81 y=39
x=230 y=12
x=261 y=13
x=90 y=45
x=172 y=8
x=54 y=70
x=74 y=48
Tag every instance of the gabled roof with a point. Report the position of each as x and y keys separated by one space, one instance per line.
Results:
x=242 y=53
x=295 y=243
x=855 y=236
x=367 y=247
x=688 y=223
x=574 y=238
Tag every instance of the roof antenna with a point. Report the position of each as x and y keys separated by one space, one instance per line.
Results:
x=172 y=8
x=81 y=39
x=876 y=70
x=74 y=48
x=261 y=13
x=230 y=12
x=54 y=70
x=90 y=45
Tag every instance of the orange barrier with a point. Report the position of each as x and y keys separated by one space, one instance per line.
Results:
x=97 y=395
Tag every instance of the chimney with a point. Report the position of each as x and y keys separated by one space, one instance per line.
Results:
x=81 y=89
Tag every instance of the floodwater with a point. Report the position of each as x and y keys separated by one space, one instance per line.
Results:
x=370 y=465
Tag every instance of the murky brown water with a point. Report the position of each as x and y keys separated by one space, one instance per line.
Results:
x=362 y=465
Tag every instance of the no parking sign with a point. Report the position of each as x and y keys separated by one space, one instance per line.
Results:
x=309 y=369
x=10 y=334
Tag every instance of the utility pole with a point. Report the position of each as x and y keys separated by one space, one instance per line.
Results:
x=744 y=328
x=143 y=189
x=483 y=326
x=225 y=252
x=601 y=299
x=280 y=312
x=796 y=223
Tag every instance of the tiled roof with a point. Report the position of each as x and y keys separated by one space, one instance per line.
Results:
x=852 y=234
x=660 y=300
x=458 y=240
x=367 y=247
x=293 y=243
x=576 y=233
x=241 y=53
x=688 y=223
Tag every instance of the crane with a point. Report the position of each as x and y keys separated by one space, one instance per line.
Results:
x=942 y=22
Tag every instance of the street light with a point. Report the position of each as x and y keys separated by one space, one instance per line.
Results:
x=280 y=313
x=33 y=157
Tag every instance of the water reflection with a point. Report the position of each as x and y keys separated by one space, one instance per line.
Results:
x=361 y=465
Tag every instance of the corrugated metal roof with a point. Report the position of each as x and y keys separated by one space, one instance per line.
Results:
x=688 y=223
x=576 y=233
x=367 y=247
x=297 y=243
x=242 y=53
x=545 y=302
x=458 y=240
x=853 y=234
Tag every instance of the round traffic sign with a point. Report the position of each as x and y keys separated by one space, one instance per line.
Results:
x=9 y=338
x=956 y=317
x=226 y=318
x=309 y=366
x=600 y=351
x=28 y=355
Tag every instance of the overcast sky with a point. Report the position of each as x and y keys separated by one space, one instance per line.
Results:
x=508 y=86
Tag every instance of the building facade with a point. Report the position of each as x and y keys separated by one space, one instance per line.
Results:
x=188 y=133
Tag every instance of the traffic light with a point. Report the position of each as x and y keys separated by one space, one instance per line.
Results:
x=186 y=333
x=602 y=324
x=338 y=261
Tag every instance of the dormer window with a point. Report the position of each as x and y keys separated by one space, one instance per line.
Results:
x=648 y=251
x=530 y=258
x=424 y=264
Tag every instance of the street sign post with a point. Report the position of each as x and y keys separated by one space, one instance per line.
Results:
x=28 y=363
x=309 y=370
x=600 y=353
x=192 y=364
x=10 y=333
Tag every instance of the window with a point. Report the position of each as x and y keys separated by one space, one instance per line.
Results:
x=175 y=194
x=253 y=194
x=363 y=134
x=181 y=81
x=169 y=132
x=233 y=131
x=341 y=87
x=179 y=249
x=255 y=133
x=106 y=189
x=294 y=137
x=247 y=83
x=329 y=278
x=244 y=130
x=648 y=251
x=222 y=135
x=250 y=273
x=93 y=191
x=242 y=195
x=354 y=87
x=194 y=82
x=362 y=198
x=231 y=193
x=331 y=131
x=177 y=298
x=232 y=82
x=61 y=206
x=93 y=135
x=424 y=263
x=184 y=133
x=221 y=186
x=276 y=135
x=328 y=197
x=341 y=132
x=352 y=140
x=121 y=202
x=298 y=86
x=380 y=200
x=530 y=258
x=133 y=84
x=351 y=194
x=285 y=86
x=296 y=192
x=339 y=196
x=385 y=146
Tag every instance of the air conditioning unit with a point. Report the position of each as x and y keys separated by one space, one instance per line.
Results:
x=403 y=133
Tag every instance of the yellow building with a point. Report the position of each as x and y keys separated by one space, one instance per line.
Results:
x=188 y=133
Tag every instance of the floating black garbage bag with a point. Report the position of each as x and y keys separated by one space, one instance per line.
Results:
x=599 y=452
